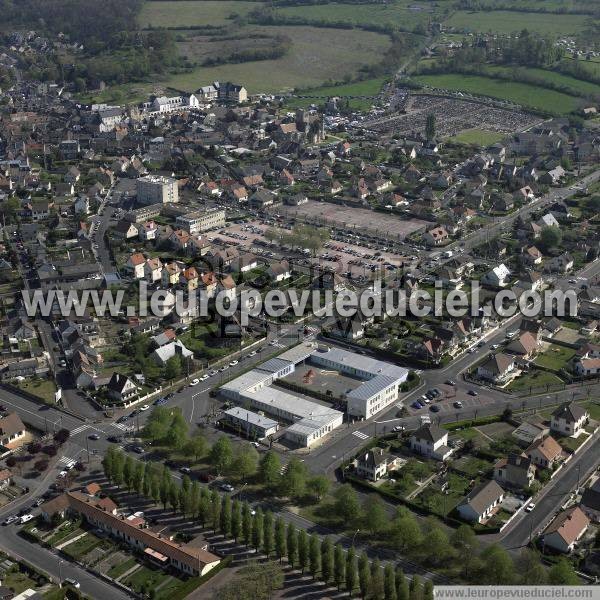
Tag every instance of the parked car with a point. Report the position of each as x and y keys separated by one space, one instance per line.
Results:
x=185 y=470
x=233 y=363
x=434 y=408
x=458 y=404
x=160 y=401
x=10 y=519
x=227 y=487
x=144 y=407
x=72 y=582
x=138 y=449
x=472 y=393
x=416 y=405
x=115 y=439
x=204 y=377
x=26 y=518
x=530 y=507
x=194 y=382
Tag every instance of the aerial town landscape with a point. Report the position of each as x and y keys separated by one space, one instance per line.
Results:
x=300 y=299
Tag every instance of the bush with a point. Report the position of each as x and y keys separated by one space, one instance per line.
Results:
x=50 y=450
x=41 y=465
x=34 y=447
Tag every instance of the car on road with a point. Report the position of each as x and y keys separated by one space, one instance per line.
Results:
x=227 y=487
x=39 y=502
x=115 y=439
x=204 y=377
x=472 y=393
x=169 y=396
x=9 y=520
x=194 y=382
x=253 y=353
x=399 y=428
x=72 y=582
x=94 y=436
x=457 y=404
x=123 y=419
x=144 y=407
x=450 y=382
x=417 y=405
x=212 y=372
x=530 y=507
x=495 y=346
x=160 y=401
x=25 y=518
x=185 y=470
x=233 y=363
x=434 y=408
x=138 y=449
x=224 y=368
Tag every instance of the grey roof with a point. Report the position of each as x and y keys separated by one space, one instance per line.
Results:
x=298 y=353
x=247 y=380
x=571 y=412
x=372 y=387
x=251 y=417
x=362 y=363
x=591 y=496
x=430 y=433
x=481 y=497
x=273 y=365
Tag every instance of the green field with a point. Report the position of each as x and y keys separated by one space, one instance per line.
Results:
x=555 y=357
x=317 y=55
x=504 y=21
x=192 y=13
x=592 y=65
x=582 y=87
x=520 y=93
x=480 y=137
x=397 y=15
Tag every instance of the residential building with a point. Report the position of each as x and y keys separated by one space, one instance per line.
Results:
x=569 y=419
x=545 y=453
x=499 y=368
x=153 y=189
x=515 y=471
x=121 y=388
x=201 y=220
x=565 y=530
x=590 y=501
x=480 y=502
x=12 y=430
x=375 y=463
x=437 y=236
x=498 y=277
x=431 y=441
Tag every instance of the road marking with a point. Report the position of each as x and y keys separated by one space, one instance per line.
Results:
x=79 y=429
x=66 y=460
x=360 y=434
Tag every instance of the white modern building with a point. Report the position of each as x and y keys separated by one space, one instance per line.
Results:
x=153 y=189
x=163 y=105
x=253 y=425
x=198 y=221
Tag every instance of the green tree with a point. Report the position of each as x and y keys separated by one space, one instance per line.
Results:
x=236 y=520
x=351 y=572
x=532 y=570
x=314 y=555
x=221 y=454
x=430 y=127
x=415 y=588
x=280 y=539
x=389 y=578
x=436 y=545
x=302 y=550
x=375 y=516
x=405 y=532
x=327 y=564
x=497 y=566
x=318 y=486
x=339 y=566
x=225 y=518
x=173 y=368
x=176 y=434
x=128 y=471
x=550 y=237
x=174 y=496
x=245 y=461
x=204 y=509
x=466 y=545
x=155 y=489
x=377 y=582
x=268 y=534
x=269 y=469
x=292 y=544
x=428 y=590
x=364 y=575
x=293 y=481
x=347 y=505
x=194 y=498
x=257 y=529
x=196 y=446
x=402 y=589
x=246 y=523
x=215 y=510
x=562 y=573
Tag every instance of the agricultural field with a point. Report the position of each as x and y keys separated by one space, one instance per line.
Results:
x=397 y=15
x=479 y=137
x=521 y=93
x=580 y=86
x=504 y=21
x=592 y=65
x=317 y=55
x=192 y=13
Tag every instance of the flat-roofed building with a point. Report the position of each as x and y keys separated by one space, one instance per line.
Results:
x=154 y=189
x=198 y=221
x=253 y=425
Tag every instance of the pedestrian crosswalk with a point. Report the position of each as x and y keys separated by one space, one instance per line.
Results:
x=360 y=434
x=123 y=426
x=278 y=345
x=79 y=429
x=66 y=461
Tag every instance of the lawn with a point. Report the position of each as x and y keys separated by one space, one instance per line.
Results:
x=521 y=93
x=473 y=466
x=17 y=581
x=150 y=578
x=555 y=357
x=82 y=546
x=394 y=14
x=594 y=409
x=478 y=137
x=118 y=570
x=42 y=388
x=535 y=379
x=506 y=21
x=571 y=444
x=317 y=56
x=440 y=503
x=191 y=13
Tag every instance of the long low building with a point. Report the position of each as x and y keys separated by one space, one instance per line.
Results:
x=255 y=426
x=157 y=547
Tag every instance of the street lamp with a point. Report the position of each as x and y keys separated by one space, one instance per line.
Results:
x=354 y=537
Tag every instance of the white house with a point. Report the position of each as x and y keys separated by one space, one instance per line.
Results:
x=431 y=441
x=569 y=419
x=479 y=504
x=136 y=265
x=498 y=277
x=565 y=530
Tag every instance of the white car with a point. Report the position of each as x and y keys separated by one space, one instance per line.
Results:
x=233 y=363
x=530 y=507
x=194 y=382
x=253 y=353
x=145 y=407
x=204 y=377
x=26 y=518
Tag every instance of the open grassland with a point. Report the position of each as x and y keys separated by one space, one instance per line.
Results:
x=578 y=85
x=317 y=56
x=368 y=87
x=504 y=21
x=479 y=137
x=192 y=13
x=397 y=15
x=520 y=93
x=592 y=65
